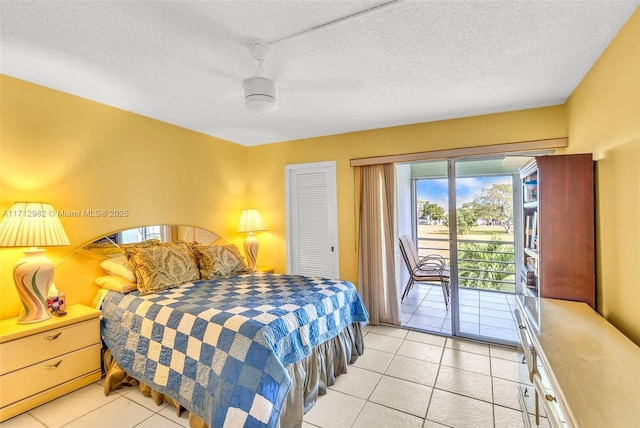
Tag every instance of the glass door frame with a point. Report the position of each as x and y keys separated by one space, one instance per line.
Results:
x=453 y=249
x=453 y=246
x=455 y=320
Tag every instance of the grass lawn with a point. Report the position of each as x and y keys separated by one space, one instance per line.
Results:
x=478 y=233
x=438 y=243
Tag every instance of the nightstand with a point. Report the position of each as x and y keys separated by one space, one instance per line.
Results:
x=43 y=361
x=267 y=269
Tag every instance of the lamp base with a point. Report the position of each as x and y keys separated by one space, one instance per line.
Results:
x=32 y=276
x=251 y=246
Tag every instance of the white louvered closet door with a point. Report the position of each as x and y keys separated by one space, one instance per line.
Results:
x=312 y=236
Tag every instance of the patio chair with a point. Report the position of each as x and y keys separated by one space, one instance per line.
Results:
x=429 y=268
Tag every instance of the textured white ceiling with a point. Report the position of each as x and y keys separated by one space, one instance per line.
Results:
x=183 y=62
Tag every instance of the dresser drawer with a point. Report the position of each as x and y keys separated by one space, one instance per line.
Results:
x=527 y=348
x=26 y=351
x=549 y=400
x=36 y=378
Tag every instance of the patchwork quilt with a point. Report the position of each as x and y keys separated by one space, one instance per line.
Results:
x=219 y=347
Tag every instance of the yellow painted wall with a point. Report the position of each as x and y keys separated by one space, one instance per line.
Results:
x=266 y=166
x=78 y=154
x=604 y=118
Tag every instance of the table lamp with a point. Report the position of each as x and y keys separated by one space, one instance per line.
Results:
x=32 y=224
x=250 y=222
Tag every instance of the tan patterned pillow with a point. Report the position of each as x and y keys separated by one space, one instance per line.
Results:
x=162 y=266
x=219 y=261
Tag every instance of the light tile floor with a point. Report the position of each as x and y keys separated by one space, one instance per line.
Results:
x=482 y=313
x=404 y=379
x=414 y=379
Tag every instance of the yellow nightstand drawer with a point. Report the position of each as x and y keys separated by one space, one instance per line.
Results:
x=34 y=379
x=24 y=352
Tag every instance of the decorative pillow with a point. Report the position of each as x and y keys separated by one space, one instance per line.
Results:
x=219 y=261
x=119 y=266
x=110 y=249
x=98 y=299
x=116 y=283
x=162 y=266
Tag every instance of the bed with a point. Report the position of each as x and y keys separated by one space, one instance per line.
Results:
x=246 y=349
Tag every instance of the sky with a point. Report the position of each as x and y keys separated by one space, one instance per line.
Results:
x=466 y=189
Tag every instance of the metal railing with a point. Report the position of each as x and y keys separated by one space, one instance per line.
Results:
x=490 y=270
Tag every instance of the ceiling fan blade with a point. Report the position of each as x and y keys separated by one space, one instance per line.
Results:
x=224 y=74
x=331 y=85
x=288 y=83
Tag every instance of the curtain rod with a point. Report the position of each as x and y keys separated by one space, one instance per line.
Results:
x=521 y=146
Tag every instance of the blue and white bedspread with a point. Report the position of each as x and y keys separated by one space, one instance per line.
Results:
x=219 y=347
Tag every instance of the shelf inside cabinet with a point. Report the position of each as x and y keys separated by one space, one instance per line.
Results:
x=530 y=204
x=531 y=230
x=529 y=291
x=530 y=185
x=531 y=253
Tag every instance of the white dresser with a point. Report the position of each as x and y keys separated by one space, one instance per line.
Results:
x=585 y=372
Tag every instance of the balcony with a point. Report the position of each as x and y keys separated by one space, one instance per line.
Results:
x=486 y=292
x=482 y=312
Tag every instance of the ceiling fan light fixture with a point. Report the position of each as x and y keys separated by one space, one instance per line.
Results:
x=260 y=94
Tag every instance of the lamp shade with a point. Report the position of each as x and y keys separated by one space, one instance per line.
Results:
x=32 y=224
x=251 y=221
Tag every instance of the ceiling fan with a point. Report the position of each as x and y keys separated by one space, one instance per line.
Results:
x=260 y=93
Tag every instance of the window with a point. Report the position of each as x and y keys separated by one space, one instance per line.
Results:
x=140 y=234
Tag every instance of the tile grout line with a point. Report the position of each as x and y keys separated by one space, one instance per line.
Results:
x=440 y=365
x=394 y=377
x=434 y=387
x=381 y=376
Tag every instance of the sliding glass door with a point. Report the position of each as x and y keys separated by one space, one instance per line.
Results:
x=423 y=217
x=461 y=210
x=483 y=249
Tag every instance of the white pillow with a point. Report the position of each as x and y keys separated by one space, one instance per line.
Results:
x=116 y=283
x=119 y=266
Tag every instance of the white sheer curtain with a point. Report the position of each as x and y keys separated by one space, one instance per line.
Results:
x=375 y=203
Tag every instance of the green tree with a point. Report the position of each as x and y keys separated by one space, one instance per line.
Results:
x=481 y=263
x=466 y=217
x=495 y=204
x=430 y=211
